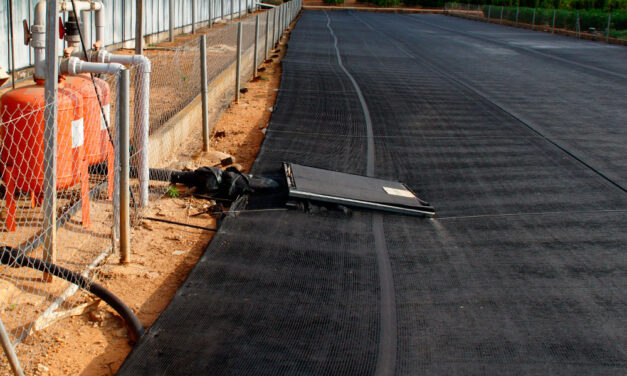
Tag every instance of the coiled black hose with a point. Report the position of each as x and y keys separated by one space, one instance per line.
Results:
x=16 y=259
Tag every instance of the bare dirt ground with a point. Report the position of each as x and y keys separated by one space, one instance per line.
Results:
x=96 y=342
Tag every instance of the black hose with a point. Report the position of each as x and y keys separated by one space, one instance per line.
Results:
x=15 y=259
x=181 y=224
x=155 y=174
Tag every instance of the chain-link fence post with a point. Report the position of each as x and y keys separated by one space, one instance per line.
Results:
x=265 y=53
x=9 y=350
x=139 y=27
x=256 y=52
x=171 y=19
x=50 y=137
x=489 y=11
x=204 y=93
x=222 y=6
x=609 y=22
x=517 y=11
x=501 y=19
x=238 y=64
x=553 y=23
x=193 y=16
x=232 y=9
x=123 y=150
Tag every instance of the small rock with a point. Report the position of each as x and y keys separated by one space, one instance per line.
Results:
x=262 y=69
x=174 y=237
x=219 y=134
x=270 y=109
x=42 y=368
x=96 y=316
x=146 y=225
x=178 y=253
x=243 y=90
x=263 y=131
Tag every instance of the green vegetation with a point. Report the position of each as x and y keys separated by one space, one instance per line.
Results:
x=333 y=2
x=564 y=19
x=172 y=192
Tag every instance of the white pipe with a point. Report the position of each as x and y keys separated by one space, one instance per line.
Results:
x=141 y=112
x=75 y=66
x=38 y=40
x=38 y=29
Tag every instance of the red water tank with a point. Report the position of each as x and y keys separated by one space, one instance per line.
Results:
x=22 y=135
x=98 y=147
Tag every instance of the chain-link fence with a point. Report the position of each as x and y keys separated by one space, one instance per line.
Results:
x=589 y=24
x=81 y=230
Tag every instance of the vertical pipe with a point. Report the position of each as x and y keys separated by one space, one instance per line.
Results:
x=232 y=9
x=204 y=93
x=577 y=26
x=609 y=21
x=193 y=16
x=9 y=350
x=256 y=52
x=222 y=6
x=239 y=60
x=489 y=11
x=50 y=136
x=171 y=12
x=12 y=44
x=501 y=20
x=265 y=53
x=517 y=10
x=142 y=128
x=553 y=28
x=139 y=27
x=533 y=20
x=123 y=126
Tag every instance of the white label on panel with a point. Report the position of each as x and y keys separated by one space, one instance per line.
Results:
x=106 y=109
x=77 y=133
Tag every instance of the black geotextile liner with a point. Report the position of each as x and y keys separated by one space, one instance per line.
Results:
x=522 y=272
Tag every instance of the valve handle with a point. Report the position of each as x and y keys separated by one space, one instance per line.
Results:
x=27 y=34
x=61 y=29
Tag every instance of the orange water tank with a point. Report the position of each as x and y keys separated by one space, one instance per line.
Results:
x=96 y=134
x=22 y=135
x=98 y=147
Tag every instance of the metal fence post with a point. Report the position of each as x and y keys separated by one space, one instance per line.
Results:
x=256 y=52
x=222 y=6
x=265 y=50
x=139 y=27
x=204 y=93
x=517 y=10
x=193 y=16
x=123 y=142
x=533 y=19
x=171 y=13
x=609 y=22
x=9 y=350
x=501 y=20
x=232 y=9
x=489 y=11
x=553 y=27
x=239 y=61
x=578 y=27
x=50 y=137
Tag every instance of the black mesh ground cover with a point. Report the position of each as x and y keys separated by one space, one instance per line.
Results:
x=523 y=271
